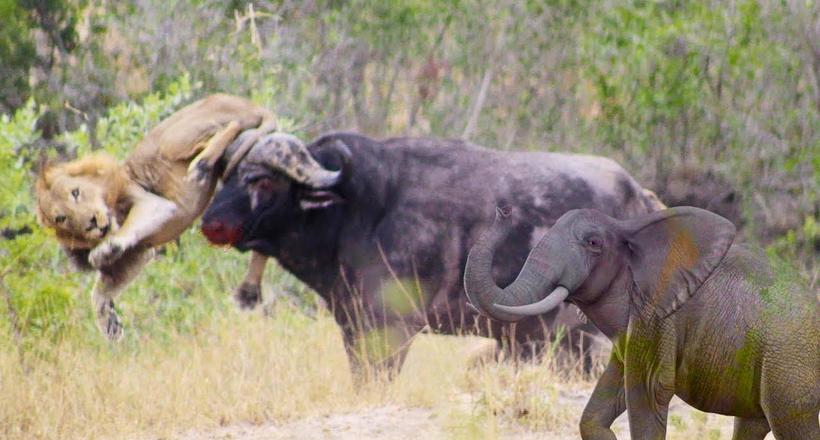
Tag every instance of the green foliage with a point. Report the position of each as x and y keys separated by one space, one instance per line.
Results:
x=17 y=54
x=20 y=48
x=652 y=84
x=45 y=297
x=662 y=72
x=127 y=122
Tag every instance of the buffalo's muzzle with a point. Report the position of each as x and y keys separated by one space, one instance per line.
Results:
x=218 y=233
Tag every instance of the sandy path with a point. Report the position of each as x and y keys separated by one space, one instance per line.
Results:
x=390 y=422
x=394 y=422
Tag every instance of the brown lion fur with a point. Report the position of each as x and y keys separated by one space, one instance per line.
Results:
x=159 y=164
x=97 y=170
x=108 y=215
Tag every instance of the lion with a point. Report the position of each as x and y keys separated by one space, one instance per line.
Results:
x=109 y=216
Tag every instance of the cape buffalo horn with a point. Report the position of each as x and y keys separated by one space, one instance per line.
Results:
x=288 y=154
x=550 y=302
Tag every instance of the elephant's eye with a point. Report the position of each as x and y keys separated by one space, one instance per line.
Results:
x=593 y=243
x=75 y=193
x=59 y=219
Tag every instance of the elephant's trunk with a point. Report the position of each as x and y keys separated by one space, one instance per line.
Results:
x=529 y=287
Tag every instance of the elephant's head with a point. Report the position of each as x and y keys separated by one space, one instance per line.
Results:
x=587 y=257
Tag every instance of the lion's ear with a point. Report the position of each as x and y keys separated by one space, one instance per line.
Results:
x=42 y=163
x=39 y=215
x=41 y=184
x=41 y=188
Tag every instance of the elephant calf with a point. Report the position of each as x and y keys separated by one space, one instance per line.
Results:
x=689 y=313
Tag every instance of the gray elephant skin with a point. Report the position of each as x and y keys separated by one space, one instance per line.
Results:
x=400 y=221
x=689 y=313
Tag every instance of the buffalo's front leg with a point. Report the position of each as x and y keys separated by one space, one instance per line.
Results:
x=608 y=401
x=249 y=293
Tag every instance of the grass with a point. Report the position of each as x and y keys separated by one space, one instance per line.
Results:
x=234 y=368
x=191 y=361
x=252 y=368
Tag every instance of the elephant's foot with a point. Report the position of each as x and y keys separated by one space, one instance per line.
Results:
x=750 y=429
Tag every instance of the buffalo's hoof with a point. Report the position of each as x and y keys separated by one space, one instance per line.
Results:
x=248 y=296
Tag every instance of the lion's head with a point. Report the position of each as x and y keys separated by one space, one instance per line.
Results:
x=78 y=199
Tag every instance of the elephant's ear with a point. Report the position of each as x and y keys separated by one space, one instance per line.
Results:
x=672 y=252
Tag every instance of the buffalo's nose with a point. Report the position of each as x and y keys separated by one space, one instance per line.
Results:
x=218 y=233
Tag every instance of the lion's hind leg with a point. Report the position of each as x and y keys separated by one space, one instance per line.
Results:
x=203 y=164
x=111 y=280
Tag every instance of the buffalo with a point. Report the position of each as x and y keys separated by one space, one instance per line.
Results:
x=385 y=243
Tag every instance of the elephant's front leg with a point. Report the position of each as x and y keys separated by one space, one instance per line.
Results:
x=608 y=401
x=649 y=378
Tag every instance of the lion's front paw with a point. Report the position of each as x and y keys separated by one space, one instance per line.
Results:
x=248 y=296
x=106 y=253
x=199 y=171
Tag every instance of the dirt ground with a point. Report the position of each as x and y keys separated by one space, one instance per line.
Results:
x=394 y=422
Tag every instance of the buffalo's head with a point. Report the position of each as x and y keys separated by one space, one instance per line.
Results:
x=276 y=187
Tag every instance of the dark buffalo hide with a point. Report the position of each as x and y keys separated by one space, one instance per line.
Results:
x=386 y=246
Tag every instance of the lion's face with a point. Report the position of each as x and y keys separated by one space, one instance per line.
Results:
x=77 y=200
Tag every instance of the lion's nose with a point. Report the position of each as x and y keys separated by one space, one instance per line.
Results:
x=94 y=224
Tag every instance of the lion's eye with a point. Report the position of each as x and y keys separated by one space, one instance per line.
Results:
x=59 y=219
x=75 y=193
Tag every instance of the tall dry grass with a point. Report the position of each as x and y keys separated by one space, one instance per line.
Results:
x=257 y=369
x=235 y=368
x=252 y=368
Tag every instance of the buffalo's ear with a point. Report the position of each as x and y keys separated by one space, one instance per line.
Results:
x=335 y=155
x=671 y=253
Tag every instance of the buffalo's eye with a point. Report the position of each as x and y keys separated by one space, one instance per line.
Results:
x=75 y=193
x=260 y=189
x=264 y=184
x=59 y=219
